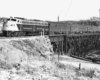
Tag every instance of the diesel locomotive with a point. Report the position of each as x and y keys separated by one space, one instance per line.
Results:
x=23 y=27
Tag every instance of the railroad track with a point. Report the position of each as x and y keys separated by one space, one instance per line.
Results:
x=3 y=37
x=81 y=58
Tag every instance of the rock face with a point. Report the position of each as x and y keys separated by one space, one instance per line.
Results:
x=16 y=50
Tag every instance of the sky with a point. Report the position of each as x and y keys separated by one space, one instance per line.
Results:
x=49 y=10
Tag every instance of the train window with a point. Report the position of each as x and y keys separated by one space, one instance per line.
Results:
x=13 y=19
x=8 y=19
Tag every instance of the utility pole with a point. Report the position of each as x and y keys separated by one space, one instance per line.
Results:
x=99 y=13
x=43 y=31
x=70 y=29
x=58 y=44
x=58 y=18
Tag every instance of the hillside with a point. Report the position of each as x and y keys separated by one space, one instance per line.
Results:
x=31 y=58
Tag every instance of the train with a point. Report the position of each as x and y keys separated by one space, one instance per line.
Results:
x=15 y=26
x=22 y=27
x=64 y=27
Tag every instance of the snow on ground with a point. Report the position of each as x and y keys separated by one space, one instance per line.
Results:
x=32 y=58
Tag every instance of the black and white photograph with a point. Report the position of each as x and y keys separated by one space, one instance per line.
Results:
x=49 y=39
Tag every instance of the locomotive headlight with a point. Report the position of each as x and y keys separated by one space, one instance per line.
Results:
x=12 y=25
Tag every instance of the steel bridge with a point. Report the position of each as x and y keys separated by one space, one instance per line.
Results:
x=75 y=44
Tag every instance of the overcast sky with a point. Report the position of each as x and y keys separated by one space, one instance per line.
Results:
x=50 y=9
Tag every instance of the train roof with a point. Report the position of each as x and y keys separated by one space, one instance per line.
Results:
x=29 y=22
x=44 y=23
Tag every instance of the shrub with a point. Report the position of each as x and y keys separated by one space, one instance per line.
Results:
x=60 y=65
x=85 y=73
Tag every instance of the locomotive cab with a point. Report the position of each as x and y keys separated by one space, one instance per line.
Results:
x=24 y=27
x=10 y=25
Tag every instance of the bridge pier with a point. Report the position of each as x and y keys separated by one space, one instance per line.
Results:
x=57 y=42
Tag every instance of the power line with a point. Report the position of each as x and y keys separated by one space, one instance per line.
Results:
x=68 y=8
x=61 y=10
